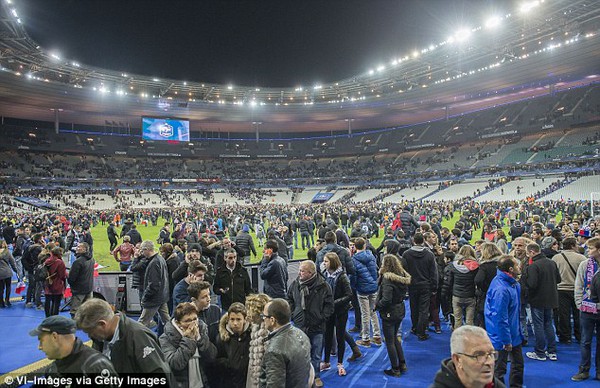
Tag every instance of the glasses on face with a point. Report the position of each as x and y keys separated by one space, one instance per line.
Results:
x=263 y=316
x=482 y=357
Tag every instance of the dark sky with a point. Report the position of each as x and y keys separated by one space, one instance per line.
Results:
x=254 y=43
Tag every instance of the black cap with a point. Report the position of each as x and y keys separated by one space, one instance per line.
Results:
x=194 y=247
x=55 y=324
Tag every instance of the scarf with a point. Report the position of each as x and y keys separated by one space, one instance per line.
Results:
x=332 y=278
x=305 y=286
x=587 y=305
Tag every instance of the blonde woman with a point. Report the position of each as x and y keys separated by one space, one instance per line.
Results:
x=255 y=304
x=490 y=254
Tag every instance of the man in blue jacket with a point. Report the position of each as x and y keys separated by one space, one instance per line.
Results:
x=502 y=308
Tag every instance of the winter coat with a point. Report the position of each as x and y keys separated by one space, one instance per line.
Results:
x=541 y=278
x=7 y=262
x=365 y=264
x=233 y=355
x=258 y=335
x=172 y=264
x=82 y=360
x=211 y=317
x=447 y=377
x=235 y=285
x=57 y=272
x=342 y=293
x=138 y=269
x=286 y=362
x=245 y=244
x=483 y=278
x=136 y=237
x=409 y=225
x=178 y=350
x=311 y=316
x=124 y=252
x=275 y=276
x=30 y=257
x=390 y=298
x=156 y=283
x=81 y=275
x=342 y=253
x=420 y=263
x=502 y=309
x=460 y=279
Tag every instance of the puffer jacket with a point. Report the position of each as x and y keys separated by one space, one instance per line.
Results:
x=342 y=292
x=233 y=355
x=390 y=298
x=365 y=282
x=286 y=362
x=179 y=350
x=244 y=242
x=342 y=253
x=459 y=279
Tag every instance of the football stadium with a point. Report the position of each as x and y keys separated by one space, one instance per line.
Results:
x=240 y=194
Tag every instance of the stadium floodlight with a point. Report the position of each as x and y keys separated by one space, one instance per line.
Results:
x=155 y=80
x=8 y=2
x=75 y=64
x=528 y=6
x=493 y=22
x=380 y=68
x=371 y=72
x=55 y=56
x=415 y=54
x=253 y=103
x=14 y=12
x=462 y=34
x=229 y=87
x=318 y=87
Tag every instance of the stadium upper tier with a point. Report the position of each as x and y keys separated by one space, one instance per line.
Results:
x=528 y=56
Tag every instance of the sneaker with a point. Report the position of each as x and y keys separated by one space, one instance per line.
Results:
x=324 y=366
x=582 y=375
x=423 y=337
x=535 y=356
x=377 y=341
x=318 y=382
x=438 y=330
x=403 y=368
x=341 y=370
x=356 y=354
x=366 y=344
x=551 y=356
x=393 y=372
x=29 y=305
x=354 y=330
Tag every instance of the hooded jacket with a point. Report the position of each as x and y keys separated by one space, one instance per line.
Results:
x=459 y=279
x=502 y=309
x=390 y=298
x=156 y=283
x=233 y=354
x=420 y=263
x=274 y=273
x=81 y=276
x=311 y=314
x=365 y=282
x=178 y=351
x=57 y=273
x=447 y=377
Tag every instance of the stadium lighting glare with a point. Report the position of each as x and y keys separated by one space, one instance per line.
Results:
x=318 y=87
x=253 y=103
x=462 y=34
x=415 y=54
x=371 y=72
x=14 y=12
x=19 y=20
x=493 y=22
x=380 y=68
x=55 y=56
x=75 y=64
x=298 y=89
x=8 y=2
x=155 y=80
x=526 y=7
x=229 y=87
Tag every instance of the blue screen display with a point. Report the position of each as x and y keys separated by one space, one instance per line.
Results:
x=165 y=129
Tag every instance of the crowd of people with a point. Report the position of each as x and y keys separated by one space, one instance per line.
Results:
x=491 y=288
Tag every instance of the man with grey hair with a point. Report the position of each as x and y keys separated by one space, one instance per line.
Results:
x=155 y=291
x=311 y=303
x=81 y=276
x=132 y=347
x=472 y=362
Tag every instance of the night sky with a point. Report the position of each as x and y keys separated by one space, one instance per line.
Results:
x=253 y=43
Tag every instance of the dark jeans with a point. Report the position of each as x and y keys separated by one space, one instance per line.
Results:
x=357 y=315
x=393 y=345
x=316 y=350
x=543 y=328
x=589 y=322
x=566 y=308
x=113 y=244
x=305 y=239
x=515 y=379
x=419 y=308
x=34 y=290
x=338 y=322
x=52 y=304
x=434 y=310
x=5 y=285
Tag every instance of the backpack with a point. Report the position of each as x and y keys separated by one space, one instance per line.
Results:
x=42 y=274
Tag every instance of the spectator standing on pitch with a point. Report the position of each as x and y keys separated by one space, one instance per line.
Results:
x=502 y=310
x=541 y=278
x=273 y=270
x=286 y=361
x=111 y=231
x=81 y=277
x=155 y=292
x=366 y=288
x=232 y=281
x=311 y=302
x=123 y=253
x=131 y=346
x=420 y=263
